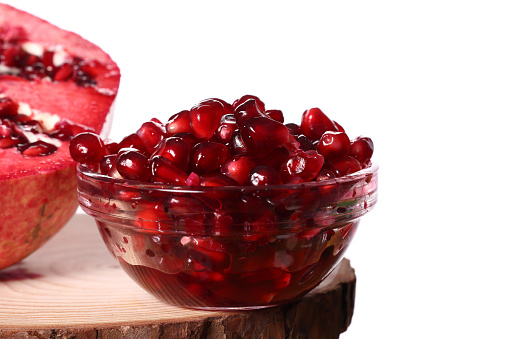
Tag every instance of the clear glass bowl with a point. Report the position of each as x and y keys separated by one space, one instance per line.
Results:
x=232 y=247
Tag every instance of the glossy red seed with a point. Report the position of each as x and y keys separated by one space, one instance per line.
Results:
x=304 y=143
x=305 y=165
x=8 y=107
x=347 y=165
x=264 y=176
x=176 y=150
x=293 y=128
x=187 y=211
x=334 y=145
x=133 y=165
x=275 y=158
x=207 y=157
x=246 y=97
x=87 y=148
x=238 y=168
x=63 y=72
x=179 y=123
x=187 y=137
x=247 y=110
x=151 y=135
x=134 y=141
x=37 y=148
x=226 y=128
x=314 y=123
x=112 y=146
x=362 y=149
x=106 y=163
x=163 y=171
x=339 y=128
x=262 y=135
x=237 y=145
x=275 y=114
x=205 y=118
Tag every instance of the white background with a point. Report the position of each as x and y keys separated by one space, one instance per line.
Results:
x=428 y=81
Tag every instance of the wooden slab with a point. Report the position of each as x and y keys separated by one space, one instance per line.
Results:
x=73 y=288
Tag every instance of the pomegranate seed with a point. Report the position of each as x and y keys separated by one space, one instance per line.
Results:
x=186 y=210
x=176 y=150
x=304 y=143
x=276 y=158
x=264 y=175
x=339 y=128
x=87 y=148
x=275 y=114
x=334 y=145
x=134 y=141
x=205 y=118
x=314 y=123
x=293 y=128
x=193 y=179
x=244 y=98
x=345 y=166
x=207 y=157
x=8 y=108
x=187 y=137
x=106 y=163
x=247 y=110
x=151 y=135
x=362 y=149
x=63 y=72
x=263 y=135
x=133 y=165
x=305 y=165
x=226 y=128
x=163 y=171
x=238 y=168
x=237 y=145
x=112 y=146
x=216 y=179
x=179 y=123
x=37 y=148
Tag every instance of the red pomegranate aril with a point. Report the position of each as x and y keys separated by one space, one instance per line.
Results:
x=362 y=149
x=314 y=123
x=226 y=128
x=247 y=110
x=246 y=97
x=275 y=114
x=87 y=148
x=111 y=146
x=151 y=135
x=8 y=108
x=187 y=137
x=163 y=171
x=238 y=168
x=339 y=128
x=275 y=158
x=334 y=145
x=216 y=179
x=134 y=141
x=193 y=180
x=305 y=165
x=264 y=176
x=205 y=118
x=179 y=123
x=176 y=150
x=63 y=72
x=106 y=163
x=207 y=157
x=304 y=143
x=293 y=128
x=345 y=166
x=237 y=145
x=262 y=135
x=133 y=165
x=66 y=130
x=37 y=148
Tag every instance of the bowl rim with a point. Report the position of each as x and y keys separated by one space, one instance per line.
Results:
x=84 y=171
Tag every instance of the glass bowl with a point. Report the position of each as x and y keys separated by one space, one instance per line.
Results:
x=228 y=247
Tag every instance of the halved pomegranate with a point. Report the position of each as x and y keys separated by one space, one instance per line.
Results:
x=53 y=85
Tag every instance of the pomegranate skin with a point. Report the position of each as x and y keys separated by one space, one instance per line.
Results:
x=33 y=208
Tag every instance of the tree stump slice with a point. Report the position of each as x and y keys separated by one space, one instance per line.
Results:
x=73 y=288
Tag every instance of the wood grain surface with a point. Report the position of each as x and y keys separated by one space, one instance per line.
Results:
x=73 y=288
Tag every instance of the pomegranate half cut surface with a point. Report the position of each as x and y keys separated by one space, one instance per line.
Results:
x=53 y=85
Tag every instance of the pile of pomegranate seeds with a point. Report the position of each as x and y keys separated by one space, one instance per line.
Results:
x=22 y=128
x=31 y=61
x=221 y=144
